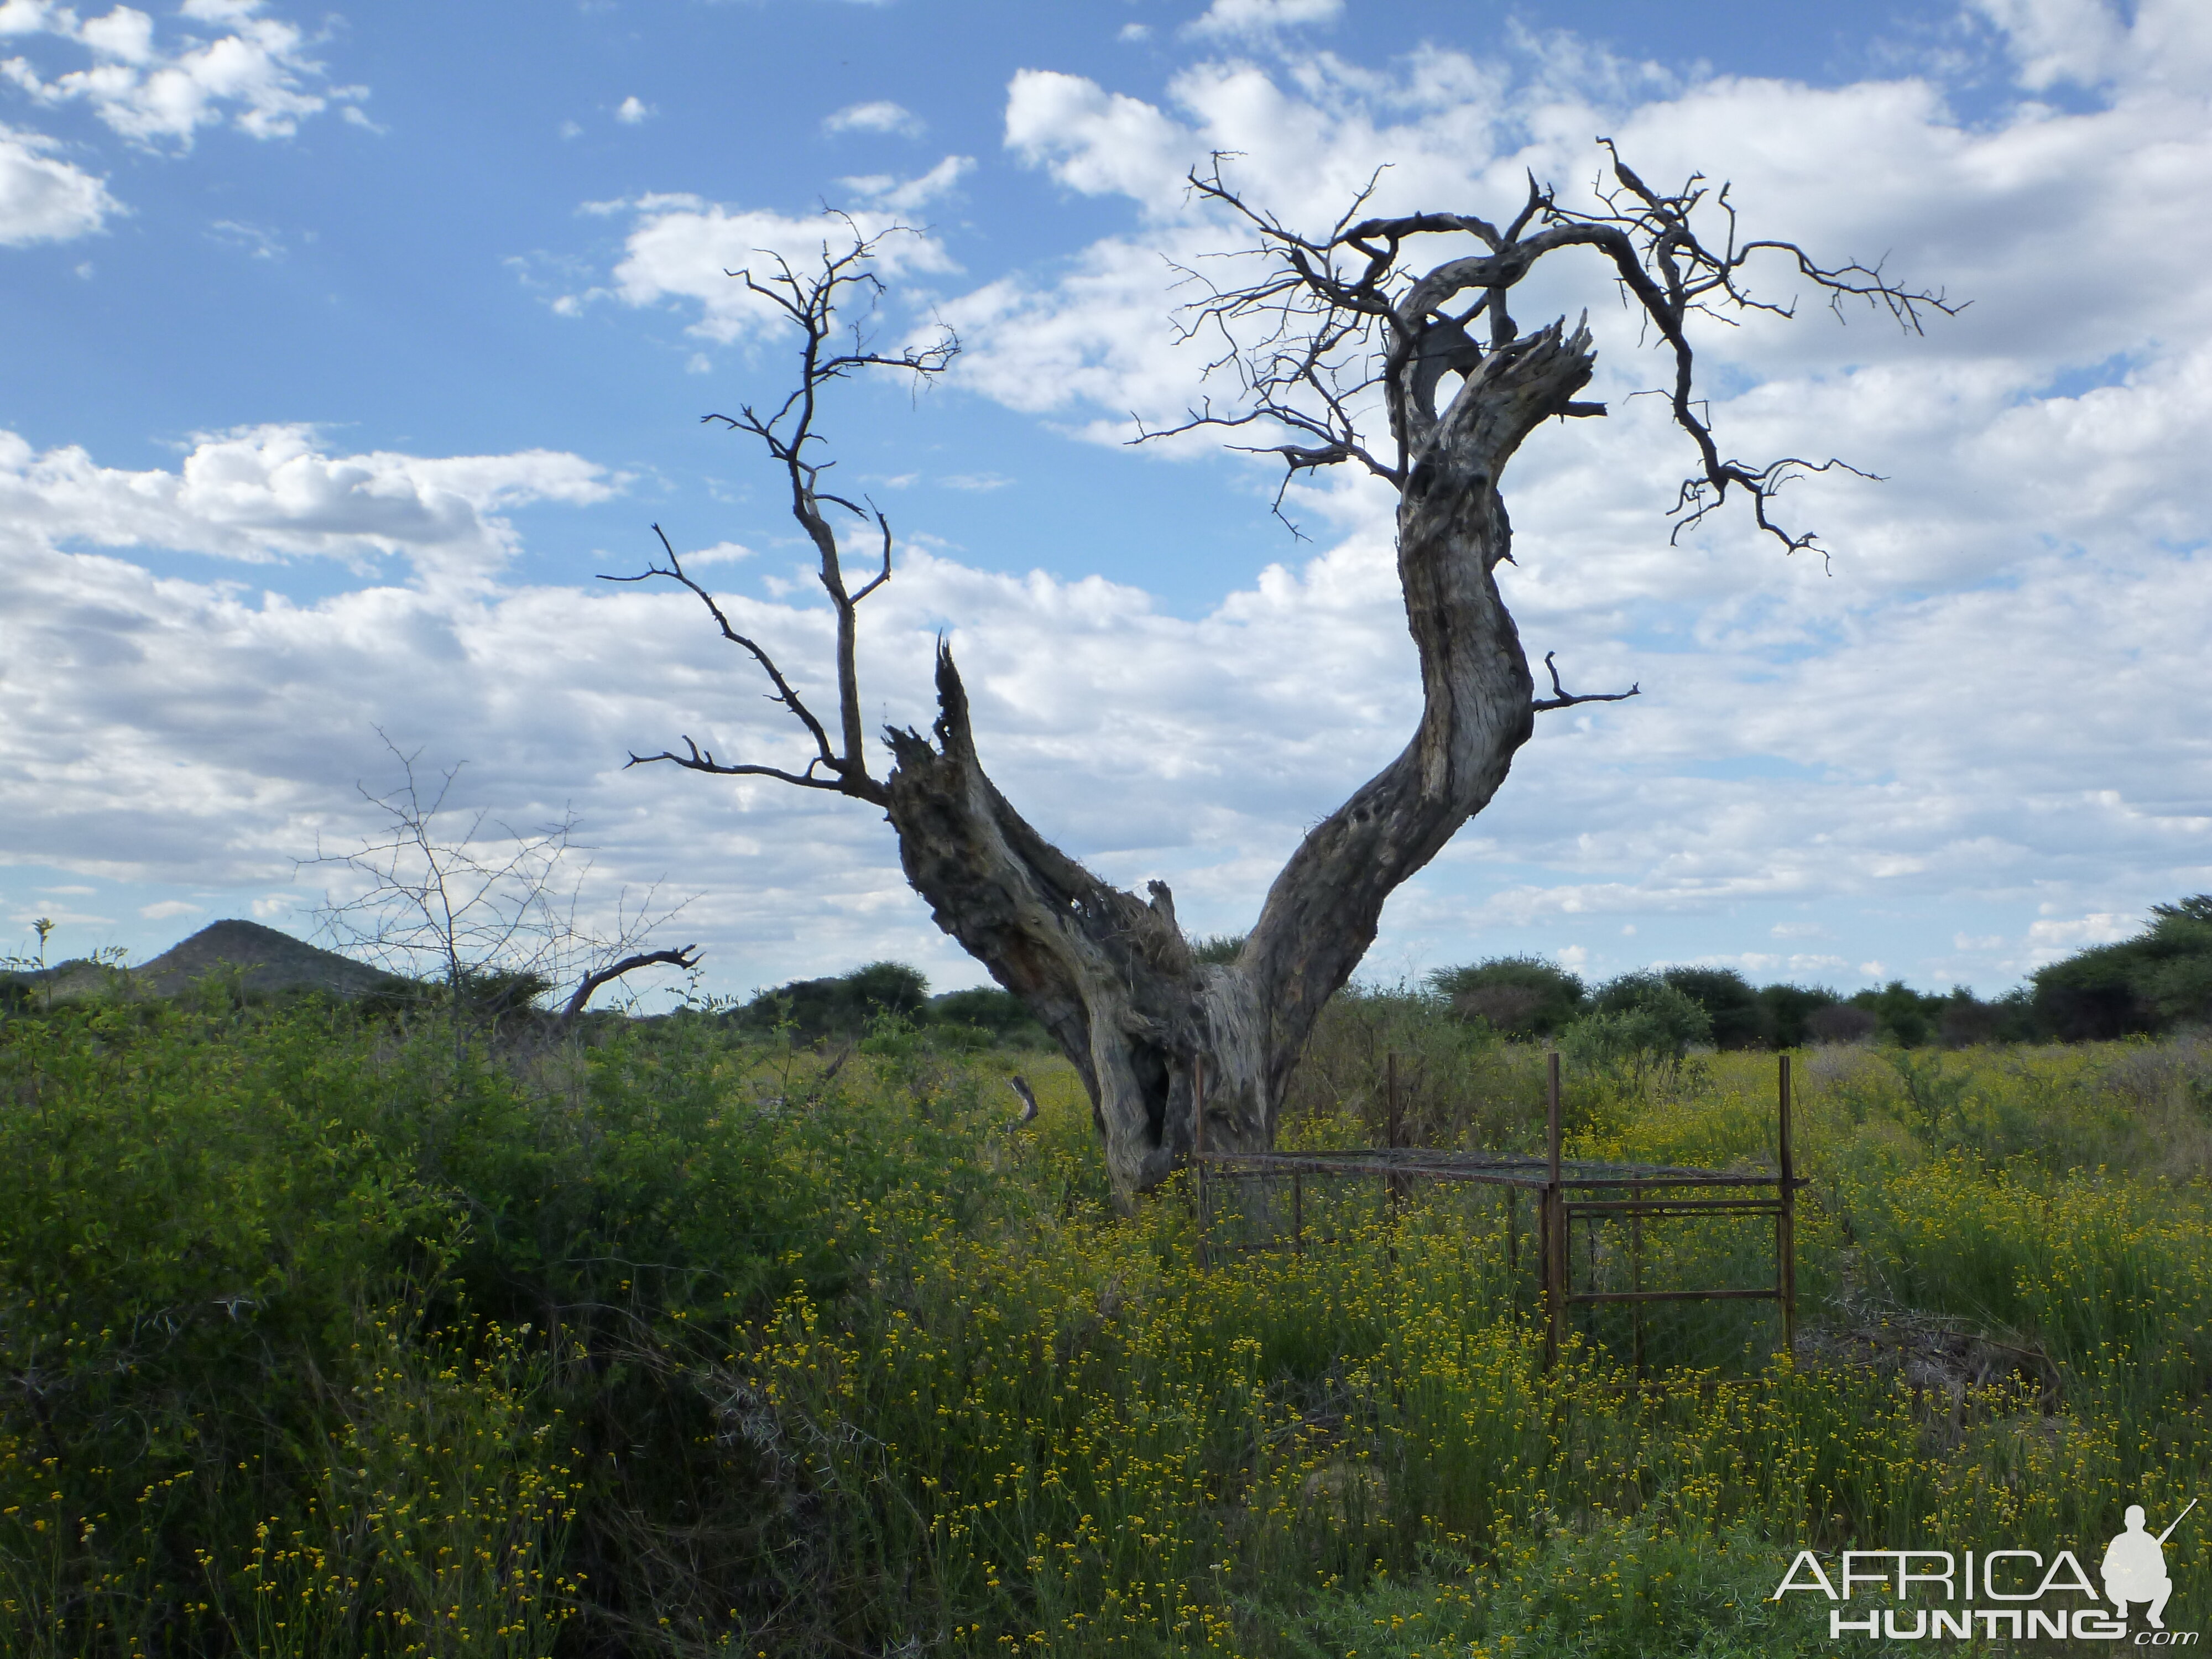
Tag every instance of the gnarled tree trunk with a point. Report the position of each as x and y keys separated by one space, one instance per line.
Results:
x=1110 y=975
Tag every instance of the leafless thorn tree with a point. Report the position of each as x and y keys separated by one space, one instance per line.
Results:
x=469 y=904
x=1333 y=324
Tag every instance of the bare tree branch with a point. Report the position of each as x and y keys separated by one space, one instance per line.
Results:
x=1562 y=698
x=1338 y=317
x=818 y=302
x=790 y=699
x=696 y=759
x=686 y=958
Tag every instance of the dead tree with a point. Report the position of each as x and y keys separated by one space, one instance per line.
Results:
x=1334 y=332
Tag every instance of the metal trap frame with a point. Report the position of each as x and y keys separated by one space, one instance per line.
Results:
x=1593 y=1191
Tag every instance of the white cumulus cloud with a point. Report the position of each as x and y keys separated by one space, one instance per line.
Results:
x=1257 y=17
x=2096 y=43
x=43 y=198
x=276 y=492
x=891 y=194
x=249 y=70
x=881 y=115
x=682 y=249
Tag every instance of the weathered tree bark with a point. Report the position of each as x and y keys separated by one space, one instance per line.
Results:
x=1151 y=1029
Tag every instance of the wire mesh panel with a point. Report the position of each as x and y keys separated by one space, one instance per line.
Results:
x=1241 y=1211
x=1665 y=1268
x=1709 y=1276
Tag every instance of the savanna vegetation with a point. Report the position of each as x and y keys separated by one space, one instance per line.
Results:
x=844 y=1007
x=324 y=1335
x=2156 y=984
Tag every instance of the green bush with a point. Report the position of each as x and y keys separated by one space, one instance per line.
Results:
x=2159 y=980
x=846 y=1007
x=1638 y=1026
x=840 y=1006
x=999 y=1015
x=1520 y=996
x=1457 y=1083
x=1785 y=1012
x=319 y=1339
x=1738 y=1016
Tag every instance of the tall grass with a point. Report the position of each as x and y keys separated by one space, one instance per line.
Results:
x=317 y=1341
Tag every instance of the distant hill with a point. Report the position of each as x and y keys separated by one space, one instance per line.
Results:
x=271 y=961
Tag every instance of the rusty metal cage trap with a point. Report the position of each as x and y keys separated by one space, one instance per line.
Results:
x=1567 y=1191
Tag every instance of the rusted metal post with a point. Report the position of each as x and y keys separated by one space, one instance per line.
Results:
x=1544 y=1272
x=1393 y=1130
x=1636 y=1283
x=1785 y=1220
x=1390 y=1097
x=1555 y=1220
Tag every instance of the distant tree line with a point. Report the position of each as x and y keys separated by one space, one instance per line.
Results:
x=846 y=1007
x=2159 y=981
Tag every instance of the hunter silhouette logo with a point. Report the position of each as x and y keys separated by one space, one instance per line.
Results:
x=2134 y=1567
x=1921 y=1594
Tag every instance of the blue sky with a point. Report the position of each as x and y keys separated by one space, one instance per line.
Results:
x=345 y=348
x=388 y=284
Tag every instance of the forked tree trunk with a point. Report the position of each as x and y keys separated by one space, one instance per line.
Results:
x=1110 y=975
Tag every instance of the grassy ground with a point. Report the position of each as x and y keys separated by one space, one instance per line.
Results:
x=318 y=1342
